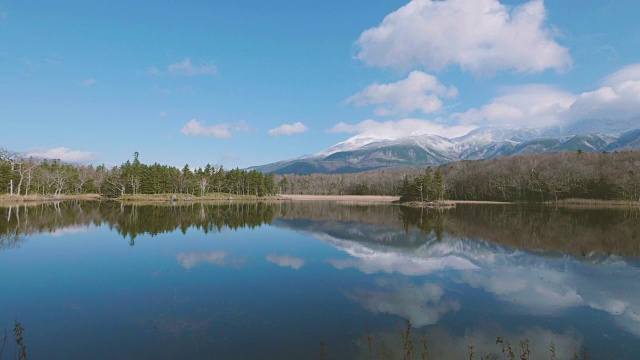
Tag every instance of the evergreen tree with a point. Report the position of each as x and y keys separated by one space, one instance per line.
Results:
x=406 y=192
x=283 y=185
x=438 y=186
x=427 y=182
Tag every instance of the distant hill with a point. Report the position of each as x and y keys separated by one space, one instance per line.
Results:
x=359 y=154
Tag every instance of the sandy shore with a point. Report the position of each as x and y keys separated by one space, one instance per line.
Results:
x=347 y=198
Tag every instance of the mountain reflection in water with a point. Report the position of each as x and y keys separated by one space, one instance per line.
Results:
x=461 y=276
x=543 y=229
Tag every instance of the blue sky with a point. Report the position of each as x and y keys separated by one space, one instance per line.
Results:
x=252 y=82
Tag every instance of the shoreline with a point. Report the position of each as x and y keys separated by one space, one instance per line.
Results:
x=31 y=199
x=10 y=200
x=386 y=200
x=344 y=198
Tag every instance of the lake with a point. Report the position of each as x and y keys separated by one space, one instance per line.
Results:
x=306 y=280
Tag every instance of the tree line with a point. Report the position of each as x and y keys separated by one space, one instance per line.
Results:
x=520 y=178
x=547 y=177
x=22 y=175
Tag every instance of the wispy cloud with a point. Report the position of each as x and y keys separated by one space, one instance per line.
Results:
x=288 y=129
x=63 y=154
x=222 y=131
x=30 y=63
x=71 y=230
x=479 y=36
x=190 y=260
x=88 y=82
x=186 y=67
x=154 y=71
x=286 y=261
x=217 y=257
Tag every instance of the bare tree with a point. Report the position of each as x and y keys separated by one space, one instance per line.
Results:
x=115 y=178
x=29 y=166
x=12 y=158
x=85 y=174
x=204 y=183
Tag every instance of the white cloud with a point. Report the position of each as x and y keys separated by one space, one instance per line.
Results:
x=88 y=82
x=529 y=105
x=628 y=73
x=288 y=129
x=481 y=36
x=286 y=261
x=222 y=131
x=63 y=154
x=188 y=68
x=614 y=107
x=544 y=105
x=620 y=100
x=419 y=91
x=396 y=129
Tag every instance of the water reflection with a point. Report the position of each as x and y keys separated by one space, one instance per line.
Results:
x=565 y=231
x=130 y=221
x=524 y=282
x=286 y=261
x=424 y=304
x=190 y=260
x=443 y=344
x=462 y=276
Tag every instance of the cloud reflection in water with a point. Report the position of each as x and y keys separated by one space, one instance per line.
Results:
x=286 y=261
x=219 y=258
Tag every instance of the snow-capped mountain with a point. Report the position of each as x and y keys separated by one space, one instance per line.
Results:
x=360 y=153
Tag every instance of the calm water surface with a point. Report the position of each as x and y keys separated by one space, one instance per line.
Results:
x=273 y=281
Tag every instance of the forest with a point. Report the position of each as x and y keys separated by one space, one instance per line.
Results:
x=520 y=178
x=21 y=175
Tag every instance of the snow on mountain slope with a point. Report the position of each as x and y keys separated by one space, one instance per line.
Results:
x=362 y=153
x=350 y=144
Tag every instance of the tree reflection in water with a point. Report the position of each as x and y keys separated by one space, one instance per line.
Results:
x=573 y=231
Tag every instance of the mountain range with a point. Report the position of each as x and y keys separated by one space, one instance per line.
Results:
x=362 y=153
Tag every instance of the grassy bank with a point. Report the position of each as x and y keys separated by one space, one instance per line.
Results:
x=10 y=200
x=592 y=203
x=22 y=199
x=216 y=197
